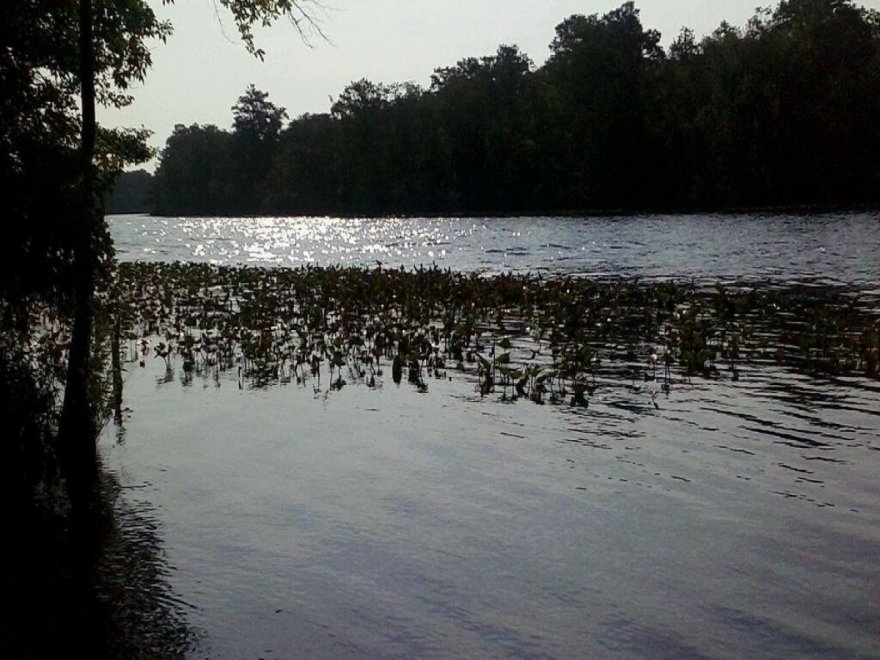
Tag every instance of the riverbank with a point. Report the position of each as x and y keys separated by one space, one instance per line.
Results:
x=777 y=209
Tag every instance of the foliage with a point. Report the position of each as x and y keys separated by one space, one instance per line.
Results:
x=39 y=129
x=57 y=61
x=43 y=179
x=553 y=339
x=255 y=118
x=208 y=170
x=783 y=112
x=130 y=193
x=197 y=176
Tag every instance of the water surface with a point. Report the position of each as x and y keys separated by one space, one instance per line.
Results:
x=840 y=249
x=721 y=519
x=733 y=519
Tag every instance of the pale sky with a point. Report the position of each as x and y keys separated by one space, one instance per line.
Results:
x=203 y=69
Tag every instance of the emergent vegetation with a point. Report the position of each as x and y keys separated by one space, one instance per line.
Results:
x=547 y=339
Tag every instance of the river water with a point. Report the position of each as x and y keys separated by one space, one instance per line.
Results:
x=834 y=249
x=721 y=519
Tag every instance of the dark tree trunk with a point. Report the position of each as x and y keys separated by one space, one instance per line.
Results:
x=116 y=368
x=77 y=434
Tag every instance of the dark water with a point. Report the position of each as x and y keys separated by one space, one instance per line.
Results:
x=720 y=519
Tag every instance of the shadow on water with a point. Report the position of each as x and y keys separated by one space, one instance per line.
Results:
x=96 y=588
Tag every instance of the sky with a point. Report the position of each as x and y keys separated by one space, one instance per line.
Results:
x=203 y=68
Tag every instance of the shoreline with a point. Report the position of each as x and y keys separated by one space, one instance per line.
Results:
x=770 y=210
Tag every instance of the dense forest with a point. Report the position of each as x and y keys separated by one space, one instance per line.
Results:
x=130 y=193
x=782 y=112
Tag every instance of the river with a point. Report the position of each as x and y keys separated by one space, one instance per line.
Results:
x=720 y=519
x=835 y=248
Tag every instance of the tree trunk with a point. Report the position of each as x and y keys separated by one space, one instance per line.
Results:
x=116 y=368
x=77 y=434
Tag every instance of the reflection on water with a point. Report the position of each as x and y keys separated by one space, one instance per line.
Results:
x=825 y=249
x=134 y=580
x=718 y=518
x=90 y=587
x=373 y=523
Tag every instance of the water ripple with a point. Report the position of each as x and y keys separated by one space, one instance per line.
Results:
x=818 y=251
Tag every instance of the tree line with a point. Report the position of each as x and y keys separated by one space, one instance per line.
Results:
x=782 y=112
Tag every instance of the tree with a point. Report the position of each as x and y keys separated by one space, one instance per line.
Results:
x=130 y=193
x=40 y=128
x=55 y=159
x=600 y=71
x=363 y=111
x=305 y=174
x=197 y=172
x=486 y=111
x=826 y=65
x=256 y=125
x=257 y=118
x=57 y=62
x=782 y=111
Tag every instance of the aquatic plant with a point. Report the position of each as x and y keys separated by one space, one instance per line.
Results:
x=532 y=337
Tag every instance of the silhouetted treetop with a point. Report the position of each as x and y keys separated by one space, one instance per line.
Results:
x=782 y=111
x=255 y=117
